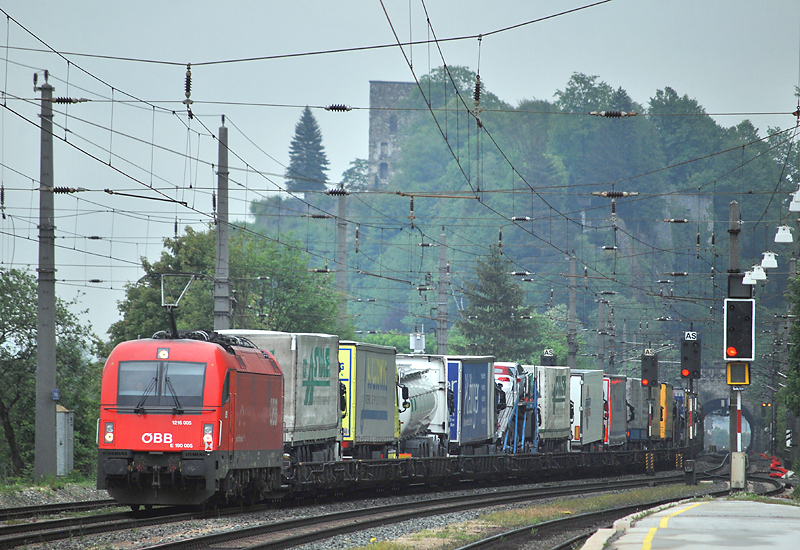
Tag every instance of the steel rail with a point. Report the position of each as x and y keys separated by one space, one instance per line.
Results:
x=23 y=512
x=302 y=530
x=581 y=521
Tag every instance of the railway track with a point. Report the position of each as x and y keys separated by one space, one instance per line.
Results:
x=586 y=523
x=300 y=531
x=22 y=534
x=26 y=512
x=294 y=531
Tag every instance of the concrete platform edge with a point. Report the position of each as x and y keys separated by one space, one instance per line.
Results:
x=602 y=536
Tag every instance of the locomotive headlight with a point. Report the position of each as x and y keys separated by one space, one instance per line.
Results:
x=108 y=430
x=208 y=433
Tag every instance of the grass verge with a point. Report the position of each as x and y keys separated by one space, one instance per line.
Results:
x=458 y=534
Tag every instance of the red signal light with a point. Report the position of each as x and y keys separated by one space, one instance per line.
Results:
x=731 y=351
x=685 y=373
x=645 y=382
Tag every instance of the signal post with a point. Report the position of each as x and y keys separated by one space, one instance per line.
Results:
x=691 y=370
x=738 y=348
x=649 y=380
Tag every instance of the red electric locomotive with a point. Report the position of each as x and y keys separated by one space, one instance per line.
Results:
x=183 y=420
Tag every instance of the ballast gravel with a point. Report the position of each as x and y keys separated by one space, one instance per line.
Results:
x=149 y=536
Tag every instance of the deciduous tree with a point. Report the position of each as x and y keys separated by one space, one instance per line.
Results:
x=78 y=374
x=270 y=283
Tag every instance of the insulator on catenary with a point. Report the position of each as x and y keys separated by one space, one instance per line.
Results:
x=337 y=191
x=338 y=107
x=63 y=100
x=613 y=114
x=188 y=80
x=477 y=94
x=674 y=220
x=615 y=194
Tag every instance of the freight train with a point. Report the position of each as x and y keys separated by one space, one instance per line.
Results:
x=239 y=415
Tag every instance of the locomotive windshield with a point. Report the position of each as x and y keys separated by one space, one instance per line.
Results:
x=160 y=386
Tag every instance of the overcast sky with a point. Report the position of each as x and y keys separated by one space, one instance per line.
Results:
x=738 y=58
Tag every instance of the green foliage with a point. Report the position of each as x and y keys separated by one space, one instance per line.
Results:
x=270 y=281
x=560 y=156
x=357 y=175
x=791 y=393
x=584 y=94
x=308 y=162
x=496 y=322
x=398 y=340
x=78 y=375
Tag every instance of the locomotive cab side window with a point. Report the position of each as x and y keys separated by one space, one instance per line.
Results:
x=226 y=388
x=160 y=386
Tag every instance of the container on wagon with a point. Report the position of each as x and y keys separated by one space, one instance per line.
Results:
x=615 y=425
x=553 y=407
x=370 y=422
x=638 y=412
x=474 y=418
x=663 y=413
x=586 y=396
x=312 y=415
x=424 y=424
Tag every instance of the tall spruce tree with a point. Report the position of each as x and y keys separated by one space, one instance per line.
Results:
x=496 y=322
x=307 y=160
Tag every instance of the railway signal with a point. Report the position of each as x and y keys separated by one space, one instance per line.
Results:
x=739 y=329
x=691 y=349
x=649 y=369
x=548 y=358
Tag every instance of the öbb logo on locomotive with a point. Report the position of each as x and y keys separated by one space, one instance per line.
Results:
x=155 y=437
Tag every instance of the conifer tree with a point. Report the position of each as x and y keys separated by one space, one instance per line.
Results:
x=496 y=322
x=307 y=160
